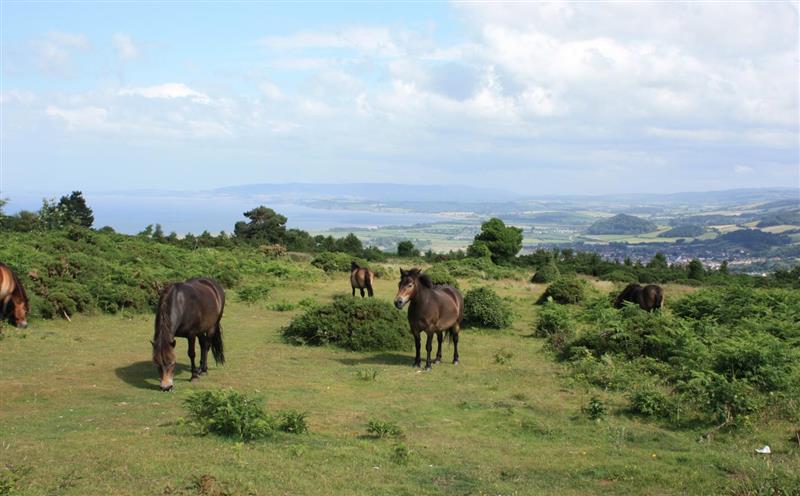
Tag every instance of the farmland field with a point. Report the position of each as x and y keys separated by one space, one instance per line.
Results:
x=81 y=414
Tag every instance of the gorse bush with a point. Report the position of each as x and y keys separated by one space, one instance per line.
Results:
x=254 y=293
x=79 y=270
x=567 y=291
x=556 y=323
x=440 y=275
x=336 y=261
x=483 y=307
x=358 y=324
x=723 y=356
x=546 y=274
x=229 y=413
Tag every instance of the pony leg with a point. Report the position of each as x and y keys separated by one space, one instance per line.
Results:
x=370 y=292
x=417 y=344
x=439 y=349
x=195 y=375
x=455 y=344
x=362 y=291
x=204 y=345
x=428 y=347
x=354 y=290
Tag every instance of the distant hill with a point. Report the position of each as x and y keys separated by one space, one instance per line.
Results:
x=790 y=217
x=622 y=224
x=753 y=239
x=684 y=231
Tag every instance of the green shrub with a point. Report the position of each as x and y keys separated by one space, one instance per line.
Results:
x=483 y=307
x=293 y=422
x=401 y=454
x=358 y=324
x=334 y=261
x=595 y=409
x=383 y=429
x=546 y=274
x=281 y=306
x=567 y=290
x=229 y=413
x=648 y=401
x=367 y=375
x=555 y=322
x=254 y=293
x=440 y=274
x=620 y=276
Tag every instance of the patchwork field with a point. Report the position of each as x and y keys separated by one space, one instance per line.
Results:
x=81 y=414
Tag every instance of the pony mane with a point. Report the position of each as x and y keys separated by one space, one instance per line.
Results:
x=425 y=280
x=19 y=288
x=162 y=338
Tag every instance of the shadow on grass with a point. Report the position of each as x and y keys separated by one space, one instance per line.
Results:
x=144 y=375
x=380 y=359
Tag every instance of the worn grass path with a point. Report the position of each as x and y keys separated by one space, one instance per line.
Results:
x=81 y=414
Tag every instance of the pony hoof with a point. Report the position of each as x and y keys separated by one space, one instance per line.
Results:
x=437 y=361
x=427 y=368
x=204 y=372
x=455 y=362
x=194 y=378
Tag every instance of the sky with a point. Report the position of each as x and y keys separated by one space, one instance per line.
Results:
x=534 y=98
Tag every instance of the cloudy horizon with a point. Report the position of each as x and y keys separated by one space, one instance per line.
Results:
x=562 y=98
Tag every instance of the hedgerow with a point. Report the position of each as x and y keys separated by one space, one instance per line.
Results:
x=79 y=270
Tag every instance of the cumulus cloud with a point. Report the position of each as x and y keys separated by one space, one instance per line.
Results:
x=167 y=90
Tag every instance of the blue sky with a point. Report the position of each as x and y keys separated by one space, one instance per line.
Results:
x=578 y=98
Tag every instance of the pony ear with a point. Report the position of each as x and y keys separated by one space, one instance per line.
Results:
x=152 y=343
x=402 y=272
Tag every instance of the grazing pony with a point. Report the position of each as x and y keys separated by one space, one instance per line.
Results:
x=650 y=297
x=13 y=297
x=434 y=309
x=361 y=278
x=188 y=310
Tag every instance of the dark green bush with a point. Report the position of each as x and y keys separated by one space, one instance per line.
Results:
x=546 y=274
x=648 y=401
x=334 y=261
x=229 y=413
x=567 y=290
x=254 y=293
x=595 y=409
x=555 y=322
x=440 y=274
x=293 y=422
x=358 y=324
x=483 y=307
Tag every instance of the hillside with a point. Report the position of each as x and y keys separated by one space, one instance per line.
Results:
x=622 y=224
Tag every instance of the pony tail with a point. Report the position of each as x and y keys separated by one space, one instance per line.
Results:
x=217 y=348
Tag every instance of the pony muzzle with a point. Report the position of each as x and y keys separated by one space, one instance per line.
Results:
x=22 y=325
x=399 y=303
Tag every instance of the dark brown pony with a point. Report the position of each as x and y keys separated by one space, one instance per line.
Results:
x=434 y=309
x=188 y=310
x=650 y=297
x=361 y=278
x=14 y=303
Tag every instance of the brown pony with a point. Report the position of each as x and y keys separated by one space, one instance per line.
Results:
x=649 y=298
x=361 y=278
x=12 y=294
x=188 y=310
x=433 y=309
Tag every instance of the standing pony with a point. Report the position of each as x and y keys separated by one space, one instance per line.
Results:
x=649 y=298
x=361 y=278
x=188 y=310
x=434 y=309
x=13 y=295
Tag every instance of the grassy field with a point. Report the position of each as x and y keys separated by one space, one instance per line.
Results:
x=81 y=414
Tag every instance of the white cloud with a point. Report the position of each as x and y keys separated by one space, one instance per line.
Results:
x=743 y=169
x=92 y=118
x=167 y=90
x=54 y=51
x=126 y=48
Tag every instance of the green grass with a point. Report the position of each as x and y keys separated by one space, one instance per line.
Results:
x=81 y=414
